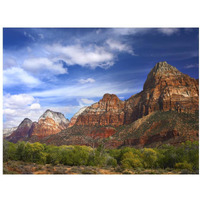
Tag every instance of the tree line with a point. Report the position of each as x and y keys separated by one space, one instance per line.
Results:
x=185 y=156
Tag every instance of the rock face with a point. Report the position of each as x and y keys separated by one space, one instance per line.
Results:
x=108 y=111
x=165 y=89
x=22 y=131
x=49 y=123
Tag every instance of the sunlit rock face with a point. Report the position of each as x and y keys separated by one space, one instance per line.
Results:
x=165 y=89
x=49 y=123
x=108 y=111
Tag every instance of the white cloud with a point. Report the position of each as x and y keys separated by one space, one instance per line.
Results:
x=87 y=101
x=16 y=76
x=36 y=65
x=90 y=56
x=116 y=45
x=89 y=80
x=168 y=31
x=35 y=106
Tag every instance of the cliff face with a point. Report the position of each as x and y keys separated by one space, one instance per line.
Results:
x=108 y=111
x=166 y=89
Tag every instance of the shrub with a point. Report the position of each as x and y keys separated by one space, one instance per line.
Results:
x=130 y=161
x=184 y=165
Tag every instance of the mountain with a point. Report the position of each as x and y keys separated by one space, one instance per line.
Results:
x=22 y=131
x=49 y=123
x=164 y=112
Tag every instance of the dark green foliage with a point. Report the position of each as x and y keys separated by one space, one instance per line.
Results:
x=184 y=157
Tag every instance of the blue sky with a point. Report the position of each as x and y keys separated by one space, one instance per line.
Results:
x=66 y=69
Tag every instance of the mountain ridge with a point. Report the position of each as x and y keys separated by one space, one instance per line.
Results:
x=166 y=89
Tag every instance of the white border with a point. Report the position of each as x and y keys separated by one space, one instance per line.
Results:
x=91 y=13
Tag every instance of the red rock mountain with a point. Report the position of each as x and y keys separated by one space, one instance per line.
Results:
x=49 y=123
x=166 y=89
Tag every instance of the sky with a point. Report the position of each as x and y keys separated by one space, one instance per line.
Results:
x=64 y=69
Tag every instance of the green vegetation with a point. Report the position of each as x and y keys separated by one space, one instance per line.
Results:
x=184 y=157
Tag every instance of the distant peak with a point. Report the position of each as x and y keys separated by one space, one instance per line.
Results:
x=26 y=120
x=56 y=116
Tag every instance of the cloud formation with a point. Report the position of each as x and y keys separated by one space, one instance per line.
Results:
x=16 y=76
x=88 y=80
x=87 y=101
x=118 y=46
x=36 y=65
x=90 y=56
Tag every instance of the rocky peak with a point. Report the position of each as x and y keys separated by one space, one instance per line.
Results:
x=56 y=116
x=162 y=71
x=163 y=68
x=25 y=122
x=109 y=97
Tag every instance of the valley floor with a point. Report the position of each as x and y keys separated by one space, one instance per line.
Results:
x=20 y=167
